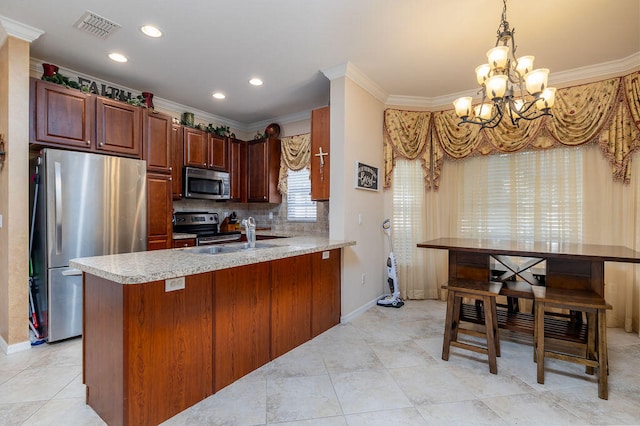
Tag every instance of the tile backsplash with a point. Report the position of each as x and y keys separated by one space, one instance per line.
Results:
x=260 y=213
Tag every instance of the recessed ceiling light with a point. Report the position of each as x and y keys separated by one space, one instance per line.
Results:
x=151 y=31
x=255 y=81
x=117 y=57
x=219 y=95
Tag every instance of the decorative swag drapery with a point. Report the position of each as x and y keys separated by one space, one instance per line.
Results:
x=295 y=155
x=606 y=112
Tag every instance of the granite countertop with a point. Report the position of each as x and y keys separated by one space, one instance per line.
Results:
x=146 y=266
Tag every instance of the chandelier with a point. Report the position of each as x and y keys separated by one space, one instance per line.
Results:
x=509 y=86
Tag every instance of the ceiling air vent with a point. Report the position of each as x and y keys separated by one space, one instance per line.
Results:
x=96 y=25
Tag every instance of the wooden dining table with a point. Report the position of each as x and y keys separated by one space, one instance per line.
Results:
x=521 y=264
x=568 y=265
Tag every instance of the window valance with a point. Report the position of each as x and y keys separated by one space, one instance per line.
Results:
x=295 y=155
x=606 y=112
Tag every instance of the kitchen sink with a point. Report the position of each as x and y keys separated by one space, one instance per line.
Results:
x=228 y=248
x=213 y=249
x=259 y=245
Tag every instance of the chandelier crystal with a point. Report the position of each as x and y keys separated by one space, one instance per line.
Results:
x=509 y=86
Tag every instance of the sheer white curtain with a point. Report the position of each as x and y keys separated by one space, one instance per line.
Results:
x=561 y=194
x=409 y=229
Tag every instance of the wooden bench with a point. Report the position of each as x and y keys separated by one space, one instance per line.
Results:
x=485 y=292
x=594 y=349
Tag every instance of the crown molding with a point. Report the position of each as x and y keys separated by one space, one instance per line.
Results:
x=361 y=79
x=290 y=118
x=160 y=103
x=17 y=29
x=576 y=76
x=581 y=75
x=598 y=71
x=176 y=108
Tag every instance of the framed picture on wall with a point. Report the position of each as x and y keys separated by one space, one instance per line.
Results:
x=367 y=177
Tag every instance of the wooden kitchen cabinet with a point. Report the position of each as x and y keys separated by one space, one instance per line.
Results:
x=176 y=161
x=147 y=352
x=159 y=211
x=70 y=118
x=290 y=303
x=195 y=147
x=218 y=152
x=205 y=150
x=61 y=116
x=238 y=170
x=325 y=298
x=156 y=137
x=118 y=127
x=263 y=168
x=241 y=331
x=320 y=174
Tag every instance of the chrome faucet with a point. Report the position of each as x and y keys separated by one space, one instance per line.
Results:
x=250 y=228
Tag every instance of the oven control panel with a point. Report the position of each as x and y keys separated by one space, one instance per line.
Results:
x=182 y=219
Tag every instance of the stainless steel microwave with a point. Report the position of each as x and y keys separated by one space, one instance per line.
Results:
x=206 y=184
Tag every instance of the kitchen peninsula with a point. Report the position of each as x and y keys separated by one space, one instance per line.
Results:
x=164 y=329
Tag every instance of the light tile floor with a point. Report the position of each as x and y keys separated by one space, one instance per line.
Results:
x=383 y=368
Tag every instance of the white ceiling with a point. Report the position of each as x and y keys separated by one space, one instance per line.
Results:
x=424 y=49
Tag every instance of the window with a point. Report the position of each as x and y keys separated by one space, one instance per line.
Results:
x=300 y=208
x=408 y=209
x=524 y=196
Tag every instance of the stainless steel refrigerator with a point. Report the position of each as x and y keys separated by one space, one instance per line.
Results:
x=86 y=205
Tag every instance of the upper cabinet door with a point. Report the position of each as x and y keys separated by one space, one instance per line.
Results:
x=118 y=127
x=176 y=160
x=257 y=167
x=238 y=170
x=156 y=134
x=195 y=147
x=61 y=116
x=218 y=152
x=263 y=167
x=320 y=182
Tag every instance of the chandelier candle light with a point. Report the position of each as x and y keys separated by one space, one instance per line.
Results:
x=499 y=77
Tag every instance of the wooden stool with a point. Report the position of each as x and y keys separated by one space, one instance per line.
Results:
x=486 y=292
x=595 y=348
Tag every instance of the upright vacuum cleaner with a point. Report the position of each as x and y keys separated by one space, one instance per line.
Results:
x=393 y=299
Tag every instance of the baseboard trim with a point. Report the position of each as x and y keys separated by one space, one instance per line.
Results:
x=362 y=309
x=12 y=349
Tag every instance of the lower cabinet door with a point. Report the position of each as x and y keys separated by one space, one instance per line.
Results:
x=241 y=331
x=326 y=308
x=290 y=303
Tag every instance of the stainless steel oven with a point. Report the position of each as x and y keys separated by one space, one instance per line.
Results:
x=206 y=184
x=205 y=226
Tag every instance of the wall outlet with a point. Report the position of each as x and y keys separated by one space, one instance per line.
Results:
x=271 y=215
x=174 y=284
x=362 y=278
x=359 y=218
x=0 y=221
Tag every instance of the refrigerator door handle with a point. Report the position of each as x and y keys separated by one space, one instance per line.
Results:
x=58 y=206
x=72 y=271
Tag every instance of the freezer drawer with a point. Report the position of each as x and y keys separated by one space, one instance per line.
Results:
x=65 y=303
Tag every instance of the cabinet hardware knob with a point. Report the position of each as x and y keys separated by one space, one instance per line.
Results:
x=88 y=142
x=170 y=169
x=101 y=144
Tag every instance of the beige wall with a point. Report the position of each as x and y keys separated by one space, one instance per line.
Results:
x=14 y=193
x=356 y=135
